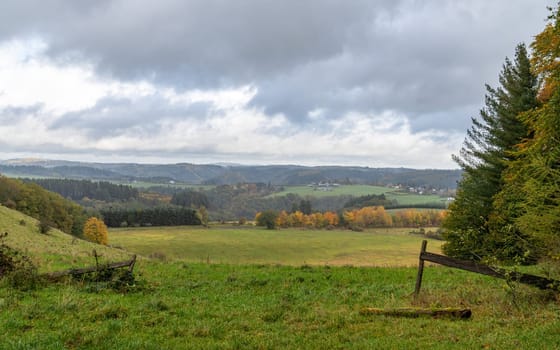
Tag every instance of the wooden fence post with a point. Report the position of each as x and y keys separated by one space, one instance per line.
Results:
x=420 y=269
x=536 y=281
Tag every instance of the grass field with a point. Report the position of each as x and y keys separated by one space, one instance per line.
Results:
x=252 y=245
x=212 y=306
x=403 y=198
x=353 y=190
x=174 y=185
x=183 y=304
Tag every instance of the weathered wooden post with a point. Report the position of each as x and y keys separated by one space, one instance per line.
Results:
x=420 y=269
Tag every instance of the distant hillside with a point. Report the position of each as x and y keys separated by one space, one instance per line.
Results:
x=49 y=207
x=55 y=250
x=232 y=174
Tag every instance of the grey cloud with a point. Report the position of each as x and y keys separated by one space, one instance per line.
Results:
x=113 y=116
x=12 y=115
x=425 y=59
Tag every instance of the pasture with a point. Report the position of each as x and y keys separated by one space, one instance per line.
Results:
x=403 y=198
x=255 y=245
x=209 y=293
x=180 y=305
x=351 y=190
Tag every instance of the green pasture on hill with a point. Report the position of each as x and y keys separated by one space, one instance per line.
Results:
x=403 y=198
x=255 y=245
x=352 y=190
x=175 y=185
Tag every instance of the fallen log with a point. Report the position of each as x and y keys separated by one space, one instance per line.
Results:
x=418 y=312
x=80 y=271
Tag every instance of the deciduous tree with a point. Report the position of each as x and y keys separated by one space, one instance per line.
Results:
x=95 y=230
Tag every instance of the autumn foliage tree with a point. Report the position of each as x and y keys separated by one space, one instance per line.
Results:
x=95 y=231
x=368 y=217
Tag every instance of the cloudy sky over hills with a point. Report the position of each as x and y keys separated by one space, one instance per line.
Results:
x=373 y=83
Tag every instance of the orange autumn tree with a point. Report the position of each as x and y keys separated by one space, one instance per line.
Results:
x=95 y=231
x=368 y=217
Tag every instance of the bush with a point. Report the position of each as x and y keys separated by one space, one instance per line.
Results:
x=44 y=226
x=121 y=281
x=15 y=268
x=267 y=218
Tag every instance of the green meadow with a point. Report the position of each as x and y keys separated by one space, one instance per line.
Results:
x=252 y=245
x=291 y=289
x=352 y=190
x=403 y=198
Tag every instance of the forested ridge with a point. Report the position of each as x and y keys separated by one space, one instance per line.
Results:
x=231 y=175
x=80 y=189
x=48 y=207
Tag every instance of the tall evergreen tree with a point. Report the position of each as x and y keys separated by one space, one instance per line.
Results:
x=484 y=157
x=530 y=199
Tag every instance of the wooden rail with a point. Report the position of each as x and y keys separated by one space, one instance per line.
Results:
x=80 y=271
x=536 y=281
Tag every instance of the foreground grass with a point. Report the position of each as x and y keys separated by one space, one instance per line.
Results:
x=251 y=245
x=194 y=305
x=212 y=306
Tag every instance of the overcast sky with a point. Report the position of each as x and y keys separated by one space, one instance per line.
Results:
x=312 y=82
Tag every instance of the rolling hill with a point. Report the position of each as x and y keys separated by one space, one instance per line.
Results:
x=55 y=250
x=230 y=174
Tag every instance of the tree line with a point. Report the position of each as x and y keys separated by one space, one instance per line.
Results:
x=367 y=217
x=80 y=189
x=158 y=216
x=507 y=203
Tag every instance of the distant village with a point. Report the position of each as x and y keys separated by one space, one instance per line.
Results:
x=327 y=186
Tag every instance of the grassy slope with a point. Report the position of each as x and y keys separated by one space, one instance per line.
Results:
x=55 y=250
x=379 y=247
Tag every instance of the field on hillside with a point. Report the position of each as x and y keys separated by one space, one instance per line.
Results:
x=174 y=185
x=255 y=245
x=403 y=198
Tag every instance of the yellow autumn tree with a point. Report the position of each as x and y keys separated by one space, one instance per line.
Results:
x=297 y=219
x=331 y=218
x=283 y=219
x=95 y=230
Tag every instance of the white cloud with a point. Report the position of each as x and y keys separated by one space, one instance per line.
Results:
x=160 y=122
x=27 y=78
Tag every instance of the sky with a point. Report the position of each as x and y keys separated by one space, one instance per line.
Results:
x=385 y=83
